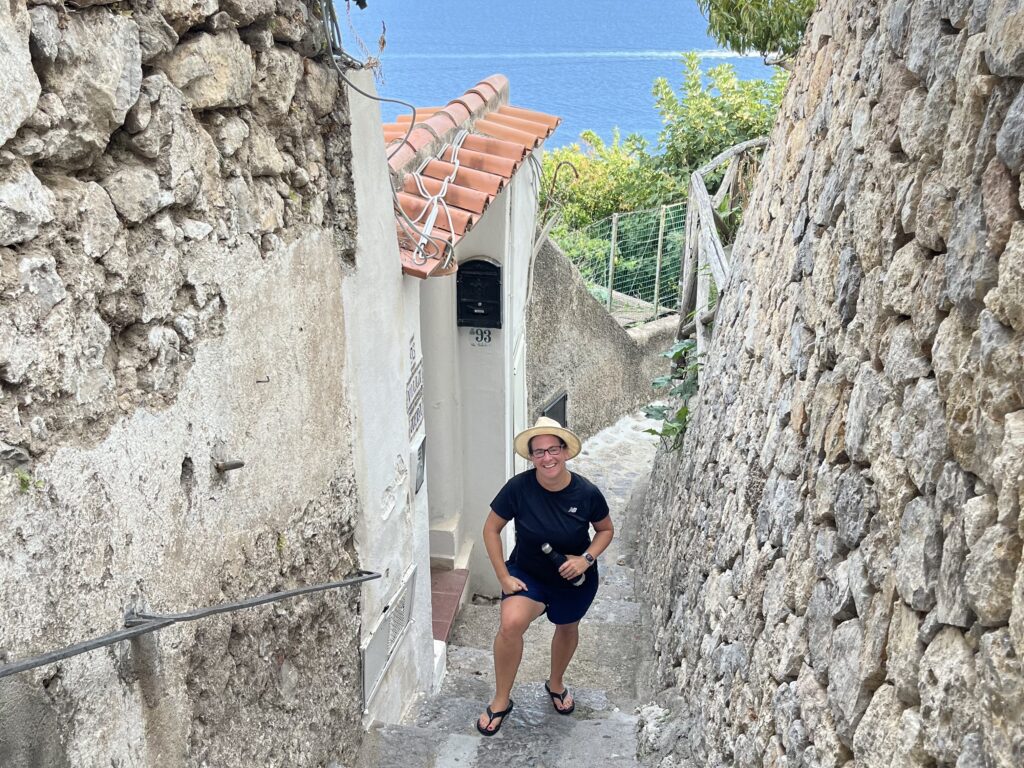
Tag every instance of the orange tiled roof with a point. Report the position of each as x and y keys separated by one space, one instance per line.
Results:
x=464 y=154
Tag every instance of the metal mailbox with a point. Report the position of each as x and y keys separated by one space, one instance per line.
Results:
x=478 y=294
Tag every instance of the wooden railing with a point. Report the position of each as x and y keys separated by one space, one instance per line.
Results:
x=705 y=258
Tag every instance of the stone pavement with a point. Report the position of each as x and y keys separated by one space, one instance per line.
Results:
x=602 y=731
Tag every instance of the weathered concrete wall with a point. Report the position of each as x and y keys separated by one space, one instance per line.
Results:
x=573 y=345
x=833 y=556
x=175 y=221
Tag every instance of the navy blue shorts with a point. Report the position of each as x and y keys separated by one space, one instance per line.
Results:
x=563 y=605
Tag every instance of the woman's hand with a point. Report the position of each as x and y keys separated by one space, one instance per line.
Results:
x=510 y=585
x=573 y=566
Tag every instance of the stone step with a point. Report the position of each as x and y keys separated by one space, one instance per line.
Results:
x=534 y=736
x=606 y=658
x=407 y=746
x=465 y=700
x=447 y=596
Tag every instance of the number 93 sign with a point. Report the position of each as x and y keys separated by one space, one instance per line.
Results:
x=480 y=337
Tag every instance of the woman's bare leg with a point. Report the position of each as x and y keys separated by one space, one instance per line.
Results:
x=563 y=646
x=517 y=612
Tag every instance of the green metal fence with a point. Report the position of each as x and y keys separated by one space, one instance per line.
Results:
x=631 y=260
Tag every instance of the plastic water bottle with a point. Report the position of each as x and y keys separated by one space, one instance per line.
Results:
x=558 y=558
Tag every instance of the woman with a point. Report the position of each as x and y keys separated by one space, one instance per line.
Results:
x=550 y=505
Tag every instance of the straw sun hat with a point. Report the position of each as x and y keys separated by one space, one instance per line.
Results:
x=546 y=426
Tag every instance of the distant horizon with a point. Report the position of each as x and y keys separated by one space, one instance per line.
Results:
x=710 y=54
x=564 y=59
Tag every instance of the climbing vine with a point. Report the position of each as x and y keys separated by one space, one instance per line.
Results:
x=681 y=382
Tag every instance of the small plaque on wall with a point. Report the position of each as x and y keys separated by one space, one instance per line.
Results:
x=419 y=456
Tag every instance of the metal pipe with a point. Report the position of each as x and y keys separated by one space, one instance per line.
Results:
x=611 y=258
x=657 y=266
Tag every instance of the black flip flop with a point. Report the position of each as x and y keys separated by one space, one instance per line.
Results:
x=491 y=717
x=561 y=700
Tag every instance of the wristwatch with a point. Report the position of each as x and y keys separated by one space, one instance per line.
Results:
x=588 y=557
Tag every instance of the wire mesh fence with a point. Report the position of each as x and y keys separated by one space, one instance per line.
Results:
x=630 y=261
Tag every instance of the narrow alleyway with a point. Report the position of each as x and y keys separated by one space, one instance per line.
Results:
x=602 y=676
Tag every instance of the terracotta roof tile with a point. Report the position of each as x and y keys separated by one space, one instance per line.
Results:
x=448 y=218
x=437 y=240
x=453 y=163
x=499 y=131
x=498 y=83
x=491 y=146
x=481 y=161
x=441 y=122
x=403 y=155
x=550 y=121
x=422 y=113
x=467 y=198
x=420 y=138
x=539 y=130
x=411 y=267
x=459 y=111
x=465 y=177
x=415 y=264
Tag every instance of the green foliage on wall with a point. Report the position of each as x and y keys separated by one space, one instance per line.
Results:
x=770 y=27
x=681 y=382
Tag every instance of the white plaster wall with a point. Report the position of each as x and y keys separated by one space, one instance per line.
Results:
x=522 y=215
x=522 y=230
x=382 y=318
x=476 y=394
x=482 y=373
x=442 y=398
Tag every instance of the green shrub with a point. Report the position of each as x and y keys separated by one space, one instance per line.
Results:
x=615 y=177
x=711 y=112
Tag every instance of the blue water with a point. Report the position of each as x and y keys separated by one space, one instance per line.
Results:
x=592 y=62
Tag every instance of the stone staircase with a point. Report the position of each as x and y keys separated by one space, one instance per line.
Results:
x=602 y=676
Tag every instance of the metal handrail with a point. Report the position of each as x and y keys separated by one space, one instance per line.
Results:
x=137 y=624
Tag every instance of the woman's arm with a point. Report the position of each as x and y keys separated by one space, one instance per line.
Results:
x=493 y=527
x=604 y=532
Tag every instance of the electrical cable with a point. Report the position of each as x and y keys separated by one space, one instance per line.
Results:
x=424 y=241
x=434 y=201
x=426 y=245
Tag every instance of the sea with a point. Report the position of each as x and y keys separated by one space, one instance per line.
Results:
x=591 y=62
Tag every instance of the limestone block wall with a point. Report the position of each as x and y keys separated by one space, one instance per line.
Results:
x=176 y=218
x=574 y=346
x=832 y=559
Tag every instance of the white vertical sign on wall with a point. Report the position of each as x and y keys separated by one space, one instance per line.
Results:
x=414 y=390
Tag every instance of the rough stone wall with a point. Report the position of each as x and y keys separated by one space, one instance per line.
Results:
x=175 y=221
x=573 y=345
x=832 y=559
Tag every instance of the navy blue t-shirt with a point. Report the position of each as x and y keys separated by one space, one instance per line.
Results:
x=561 y=518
